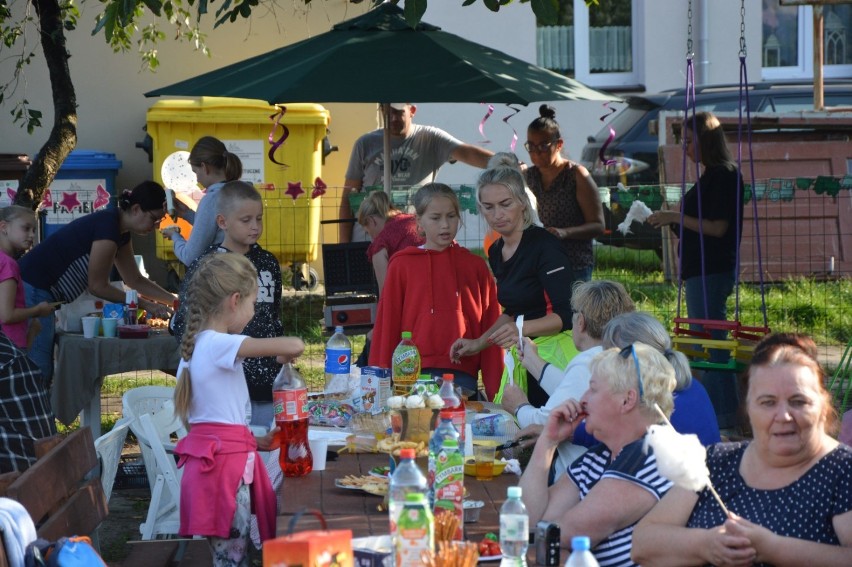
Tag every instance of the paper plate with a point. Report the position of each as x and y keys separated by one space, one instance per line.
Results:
x=178 y=176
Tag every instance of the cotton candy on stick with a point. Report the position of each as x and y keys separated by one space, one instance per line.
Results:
x=639 y=212
x=681 y=458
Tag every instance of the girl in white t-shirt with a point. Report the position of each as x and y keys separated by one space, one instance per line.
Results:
x=223 y=476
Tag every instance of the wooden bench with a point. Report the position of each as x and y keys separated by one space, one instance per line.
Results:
x=60 y=491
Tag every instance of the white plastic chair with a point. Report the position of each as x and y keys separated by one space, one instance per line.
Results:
x=109 y=446
x=163 y=518
x=150 y=400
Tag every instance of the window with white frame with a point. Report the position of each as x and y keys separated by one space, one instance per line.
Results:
x=594 y=46
x=788 y=41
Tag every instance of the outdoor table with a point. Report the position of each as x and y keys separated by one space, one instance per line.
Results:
x=358 y=511
x=82 y=363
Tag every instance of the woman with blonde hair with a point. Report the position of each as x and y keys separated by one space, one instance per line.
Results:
x=390 y=230
x=533 y=275
x=616 y=482
x=224 y=478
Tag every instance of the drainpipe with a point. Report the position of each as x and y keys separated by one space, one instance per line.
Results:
x=702 y=70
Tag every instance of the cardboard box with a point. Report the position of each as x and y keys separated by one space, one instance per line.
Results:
x=375 y=389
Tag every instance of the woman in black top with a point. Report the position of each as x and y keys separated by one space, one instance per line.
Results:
x=533 y=275
x=716 y=222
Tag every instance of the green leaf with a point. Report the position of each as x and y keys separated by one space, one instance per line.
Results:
x=155 y=6
x=202 y=8
x=468 y=2
x=493 y=5
x=547 y=11
x=414 y=10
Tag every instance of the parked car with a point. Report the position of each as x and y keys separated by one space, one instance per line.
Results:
x=634 y=148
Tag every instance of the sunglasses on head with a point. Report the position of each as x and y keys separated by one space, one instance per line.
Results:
x=625 y=353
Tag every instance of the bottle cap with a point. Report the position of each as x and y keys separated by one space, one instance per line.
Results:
x=581 y=543
x=449 y=377
x=444 y=414
x=451 y=443
x=407 y=454
x=406 y=334
x=514 y=492
x=338 y=329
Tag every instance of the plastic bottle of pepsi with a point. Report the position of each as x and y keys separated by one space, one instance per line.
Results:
x=581 y=555
x=338 y=358
x=514 y=529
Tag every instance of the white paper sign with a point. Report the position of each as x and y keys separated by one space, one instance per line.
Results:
x=251 y=155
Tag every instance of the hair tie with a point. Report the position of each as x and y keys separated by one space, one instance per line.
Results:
x=668 y=353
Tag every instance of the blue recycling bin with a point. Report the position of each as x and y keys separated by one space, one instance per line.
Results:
x=84 y=183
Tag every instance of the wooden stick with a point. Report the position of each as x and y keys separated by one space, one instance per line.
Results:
x=709 y=484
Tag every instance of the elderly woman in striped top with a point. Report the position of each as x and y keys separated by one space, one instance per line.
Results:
x=615 y=483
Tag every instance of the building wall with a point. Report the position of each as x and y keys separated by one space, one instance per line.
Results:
x=112 y=107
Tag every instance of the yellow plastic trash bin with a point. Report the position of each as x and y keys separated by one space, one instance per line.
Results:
x=290 y=226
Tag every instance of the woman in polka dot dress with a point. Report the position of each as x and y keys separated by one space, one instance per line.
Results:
x=789 y=490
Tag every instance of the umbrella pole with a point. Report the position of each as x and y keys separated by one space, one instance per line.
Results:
x=388 y=163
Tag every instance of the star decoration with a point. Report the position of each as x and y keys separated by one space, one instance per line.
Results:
x=102 y=198
x=319 y=188
x=69 y=200
x=294 y=189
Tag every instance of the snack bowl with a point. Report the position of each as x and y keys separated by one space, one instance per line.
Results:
x=472 y=508
x=470 y=467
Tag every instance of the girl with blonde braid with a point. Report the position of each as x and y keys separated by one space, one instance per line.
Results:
x=223 y=477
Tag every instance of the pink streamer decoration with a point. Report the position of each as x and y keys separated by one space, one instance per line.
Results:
x=47 y=199
x=285 y=133
x=319 y=188
x=609 y=139
x=11 y=193
x=515 y=110
x=488 y=114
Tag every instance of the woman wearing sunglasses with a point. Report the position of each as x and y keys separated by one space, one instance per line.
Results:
x=568 y=200
x=615 y=483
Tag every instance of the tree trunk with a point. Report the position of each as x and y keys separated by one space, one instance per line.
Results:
x=63 y=134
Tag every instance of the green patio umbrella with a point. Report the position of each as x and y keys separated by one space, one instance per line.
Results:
x=378 y=57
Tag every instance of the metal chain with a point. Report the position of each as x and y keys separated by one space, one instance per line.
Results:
x=689 y=53
x=742 y=29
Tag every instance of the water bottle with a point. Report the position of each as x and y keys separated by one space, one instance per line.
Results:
x=581 y=556
x=406 y=479
x=289 y=397
x=445 y=430
x=405 y=364
x=514 y=529
x=338 y=357
x=453 y=403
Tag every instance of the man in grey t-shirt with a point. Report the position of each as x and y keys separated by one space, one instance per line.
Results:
x=417 y=153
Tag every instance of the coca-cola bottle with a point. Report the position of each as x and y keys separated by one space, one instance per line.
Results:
x=289 y=396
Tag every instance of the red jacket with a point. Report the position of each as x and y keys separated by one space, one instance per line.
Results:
x=439 y=297
x=214 y=458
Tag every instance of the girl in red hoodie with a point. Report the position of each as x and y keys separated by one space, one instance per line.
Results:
x=223 y=476
x=440 y=292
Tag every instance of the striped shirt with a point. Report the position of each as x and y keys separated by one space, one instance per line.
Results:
x=60 y=264
x=632 y=465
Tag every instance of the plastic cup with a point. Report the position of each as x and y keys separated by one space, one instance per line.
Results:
x=110 y=326
x=90 y=326
x=319 y=449
x=483 y=456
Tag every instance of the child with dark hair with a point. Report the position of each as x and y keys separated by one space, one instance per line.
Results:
x=80 y=256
